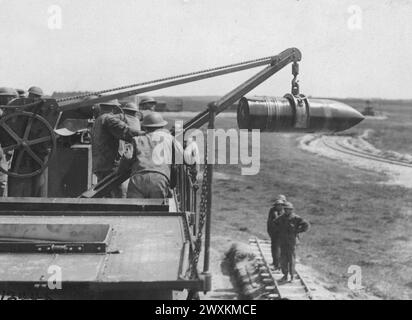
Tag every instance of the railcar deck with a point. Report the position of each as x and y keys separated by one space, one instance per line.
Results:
x=144 y=250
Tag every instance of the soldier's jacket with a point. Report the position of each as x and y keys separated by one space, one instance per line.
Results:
x=107 y=132
x=288 y=228
x=271 y=228
x=153 y=153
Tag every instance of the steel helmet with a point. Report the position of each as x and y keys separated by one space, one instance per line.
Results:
x=281 y=197
x=289 y=206
x=21 y=92
x=114 y=103
x=147 y=100
x=8 y=92
x=279 y=203
x=130 y=106
x=36 y=91
x=154 y=120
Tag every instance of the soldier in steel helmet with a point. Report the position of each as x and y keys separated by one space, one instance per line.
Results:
x=22 y=93
x=147 y=105
x=275 y=212
x=108 y=130
x=131 y=110
x=7 y=95
x=152 y=159
x=289 y=226
x=35 y=93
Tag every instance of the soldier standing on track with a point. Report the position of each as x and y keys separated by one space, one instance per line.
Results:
x=107 y=131
x=152 y=160
x=275 y=212
x=289 y=226
x=6 y=95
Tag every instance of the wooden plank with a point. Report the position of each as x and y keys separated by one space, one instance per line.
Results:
x=77 y=204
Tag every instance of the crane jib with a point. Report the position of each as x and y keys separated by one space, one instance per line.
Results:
x=288 y=55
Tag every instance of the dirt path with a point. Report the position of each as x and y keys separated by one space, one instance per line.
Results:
x=397 y=175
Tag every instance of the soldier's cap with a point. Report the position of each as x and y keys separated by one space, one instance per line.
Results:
x=154 y=120
x=114 y=103
x=130 y=106
x=147 y=100
x=21 y=91
x=8 y=92
x=288 y=205
x=36 y=91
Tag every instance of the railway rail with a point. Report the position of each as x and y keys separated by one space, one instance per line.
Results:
x=338 y=146
x=275 y=288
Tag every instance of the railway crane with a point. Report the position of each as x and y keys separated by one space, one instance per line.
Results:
x=124 y=248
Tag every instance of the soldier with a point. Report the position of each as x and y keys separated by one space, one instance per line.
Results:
x=148 y=104
x=6 y=95
x=275 y=212
x=35 y=93
x=22 y=93
x=152 y=159
x=289 y=225
x=132 y=113
x=107 y=131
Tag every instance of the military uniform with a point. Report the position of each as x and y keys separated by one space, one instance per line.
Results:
x=152 y=160
x=289 y=226
x=151 y=167
x=273 y=232
x=107 y=132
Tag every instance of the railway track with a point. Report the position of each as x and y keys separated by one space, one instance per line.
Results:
x=276 y=289
x=338 y=146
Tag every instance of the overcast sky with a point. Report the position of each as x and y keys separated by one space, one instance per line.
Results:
x=357 y=48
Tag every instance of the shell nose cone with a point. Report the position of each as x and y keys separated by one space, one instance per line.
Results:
x=348 y=115
x=333 y=115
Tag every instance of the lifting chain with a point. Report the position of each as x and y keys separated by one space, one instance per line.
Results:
x=269 y=59
x=295 y=82
x=203 y=209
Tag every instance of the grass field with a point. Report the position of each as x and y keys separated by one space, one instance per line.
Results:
x=393 y=133
x=355 y=218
